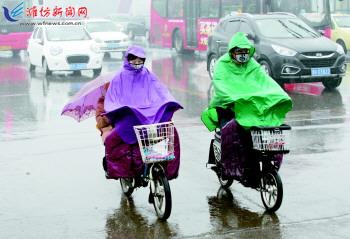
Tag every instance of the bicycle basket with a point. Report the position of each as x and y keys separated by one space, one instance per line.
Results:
x=156 y=141
x=270 y=139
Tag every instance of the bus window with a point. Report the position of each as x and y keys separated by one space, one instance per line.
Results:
x=175 y=8
x=160 y=7
x=209 y=9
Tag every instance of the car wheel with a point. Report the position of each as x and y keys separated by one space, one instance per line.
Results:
x=97 y=72
x=107 y=56
x=30 y=65
x=340 y=42
x=178 y=42
x=47 y=71
x=266 y=66
x=212 y=62
x=331 y=84
x=15 y=53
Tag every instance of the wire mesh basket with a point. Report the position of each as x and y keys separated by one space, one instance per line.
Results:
x=271 y=139
x=156 y=141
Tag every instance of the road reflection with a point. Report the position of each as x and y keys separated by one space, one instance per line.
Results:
x=226 y=217
x=128 y=223
x=313 y=96
x=315 y=106
x=15 y=104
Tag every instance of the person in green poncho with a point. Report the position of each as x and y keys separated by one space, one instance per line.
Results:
x=242 y=88
x=244 y=96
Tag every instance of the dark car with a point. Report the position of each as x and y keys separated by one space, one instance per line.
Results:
x=132 y=25
x=286 y=47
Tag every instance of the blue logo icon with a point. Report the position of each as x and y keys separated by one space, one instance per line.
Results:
x=11 y=15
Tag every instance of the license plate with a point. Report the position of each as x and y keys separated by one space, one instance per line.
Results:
x=78 y=66
x=112 y=45
x=5 y=48
x=325 y=71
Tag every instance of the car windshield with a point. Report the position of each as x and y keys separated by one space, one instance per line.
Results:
x=285 y=28
x=102 y=26
x=67 y=33
x=342 y=21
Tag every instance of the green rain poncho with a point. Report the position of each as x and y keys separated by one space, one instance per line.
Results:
x=254 y=97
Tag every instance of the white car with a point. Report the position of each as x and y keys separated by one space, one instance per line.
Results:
x=63 y=48
x=108 y=35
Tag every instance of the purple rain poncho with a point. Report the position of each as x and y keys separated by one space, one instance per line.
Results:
x=136 y=97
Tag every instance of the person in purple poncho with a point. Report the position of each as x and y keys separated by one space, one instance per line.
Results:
x=135 y=97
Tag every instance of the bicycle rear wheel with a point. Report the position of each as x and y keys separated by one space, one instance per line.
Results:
x=128 y=185
x=160 y=191
x=271 y=191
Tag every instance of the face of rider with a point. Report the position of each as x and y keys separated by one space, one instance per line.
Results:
x=137 y=63
x=240 y=55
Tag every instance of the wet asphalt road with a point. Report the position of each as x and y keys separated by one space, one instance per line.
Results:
x=53 y=186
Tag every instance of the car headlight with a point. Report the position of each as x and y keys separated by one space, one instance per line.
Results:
x=97 y=40
x=340 y=49
x=283 y=51
x=55 y=50
x=95 y=48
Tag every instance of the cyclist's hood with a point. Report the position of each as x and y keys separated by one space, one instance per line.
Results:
x=246 y=89
x=241 y=41
x=136 y=97
x=136 y=51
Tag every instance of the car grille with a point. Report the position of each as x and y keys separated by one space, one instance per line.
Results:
x=315 y=54
x=77 y=59
x=113 y=41
x=318 y=62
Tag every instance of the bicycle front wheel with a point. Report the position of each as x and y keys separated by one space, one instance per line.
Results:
x=271 y=191
x=128 y=185
x=161 y=194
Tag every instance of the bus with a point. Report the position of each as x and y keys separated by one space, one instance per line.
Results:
x=14 y=36
x=186 y=24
